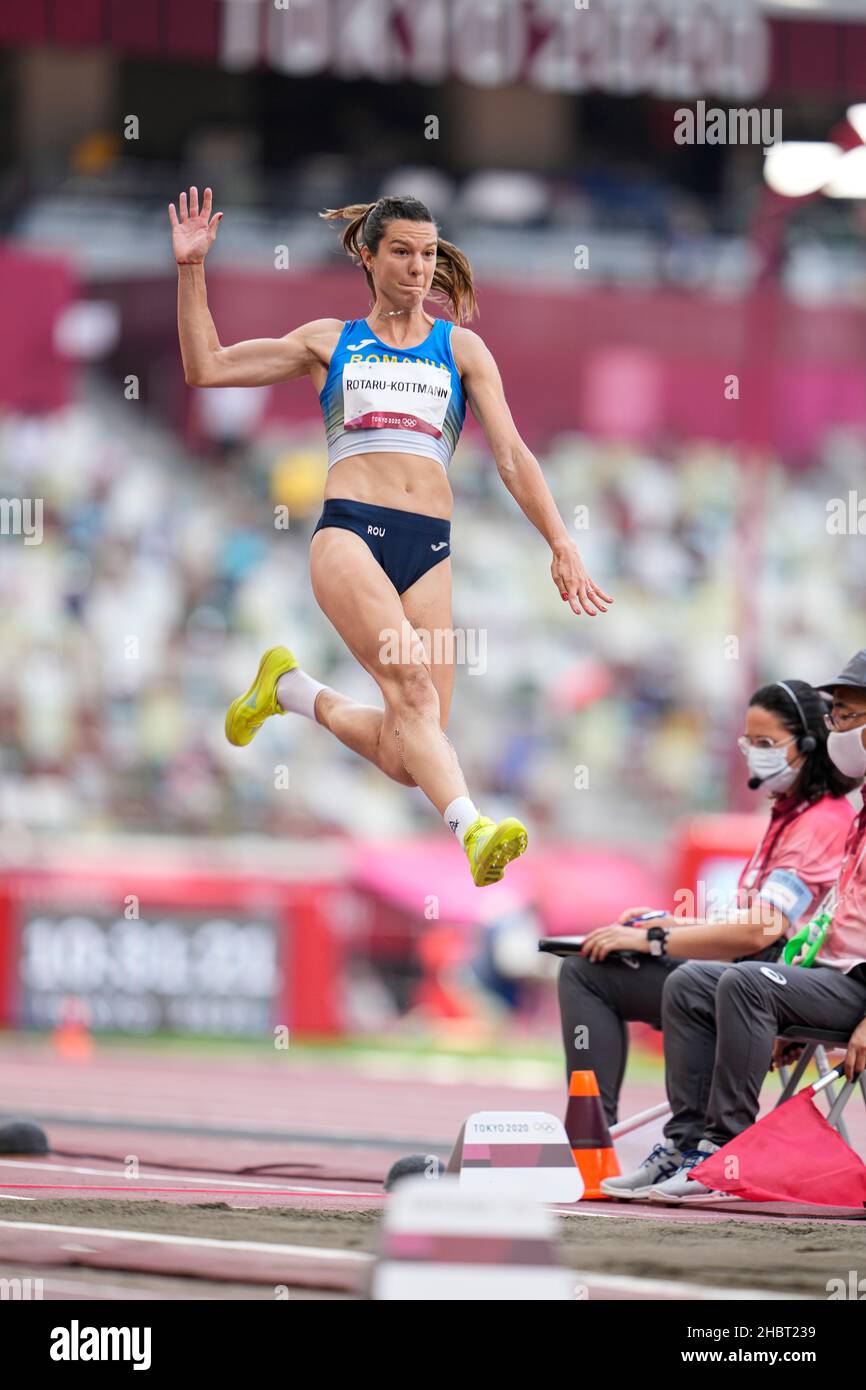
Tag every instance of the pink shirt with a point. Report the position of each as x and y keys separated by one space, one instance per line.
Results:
x=845 y=945
x=800 y=856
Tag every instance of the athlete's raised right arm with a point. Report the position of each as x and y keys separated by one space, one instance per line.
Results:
x=256 y=362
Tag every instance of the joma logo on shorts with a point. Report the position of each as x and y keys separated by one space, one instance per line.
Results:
x=375 y=530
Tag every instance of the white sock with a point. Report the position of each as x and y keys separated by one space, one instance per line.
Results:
x=459 y=815
x=296 y=693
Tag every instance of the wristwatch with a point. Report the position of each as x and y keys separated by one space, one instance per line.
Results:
x=658 y=940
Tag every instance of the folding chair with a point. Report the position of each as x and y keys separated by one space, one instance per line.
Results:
x=815 y=1042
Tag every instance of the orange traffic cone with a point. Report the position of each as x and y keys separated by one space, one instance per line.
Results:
x=72 y=1037
x=589 y=1135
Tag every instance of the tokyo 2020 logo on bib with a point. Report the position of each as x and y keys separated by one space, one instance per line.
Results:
x=395 y=396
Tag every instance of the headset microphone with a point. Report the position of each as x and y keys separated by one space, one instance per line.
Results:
x=806 y=741
x=754 y=782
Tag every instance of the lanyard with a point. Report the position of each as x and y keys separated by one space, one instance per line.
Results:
x=839 y=891
x=846 y=874
x=764 y=850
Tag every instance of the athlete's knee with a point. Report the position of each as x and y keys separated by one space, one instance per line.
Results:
x=409 y=689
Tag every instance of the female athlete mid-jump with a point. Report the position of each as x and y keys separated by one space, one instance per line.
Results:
x=393 y=389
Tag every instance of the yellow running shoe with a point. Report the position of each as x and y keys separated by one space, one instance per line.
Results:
x=248 y=712
x=490 y=847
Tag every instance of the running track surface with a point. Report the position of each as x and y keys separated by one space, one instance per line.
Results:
x=143 y=1126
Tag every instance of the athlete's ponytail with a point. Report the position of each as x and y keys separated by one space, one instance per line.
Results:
x=452 y=277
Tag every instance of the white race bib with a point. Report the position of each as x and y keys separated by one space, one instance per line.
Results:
x=395 y=396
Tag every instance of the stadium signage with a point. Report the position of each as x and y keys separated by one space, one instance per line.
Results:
x=669 y=48
x=182 y=972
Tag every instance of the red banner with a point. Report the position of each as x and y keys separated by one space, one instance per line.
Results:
x=33 y=291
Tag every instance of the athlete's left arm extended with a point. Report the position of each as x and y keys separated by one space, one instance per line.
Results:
x=519 y=470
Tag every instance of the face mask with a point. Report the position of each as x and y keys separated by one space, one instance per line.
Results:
x=847 y=752
x=773 y=768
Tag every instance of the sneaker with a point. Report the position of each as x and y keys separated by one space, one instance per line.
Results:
x=681 y=1190
x=662 y=1163
x=248 y=712
x=490 y=847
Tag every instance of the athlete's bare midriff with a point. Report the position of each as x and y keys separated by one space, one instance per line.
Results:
x=407 y=482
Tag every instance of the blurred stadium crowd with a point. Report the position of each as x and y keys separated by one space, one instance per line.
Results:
x=106 y=214
x=162 y=575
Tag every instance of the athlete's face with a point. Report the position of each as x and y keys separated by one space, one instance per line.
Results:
x=403 y=266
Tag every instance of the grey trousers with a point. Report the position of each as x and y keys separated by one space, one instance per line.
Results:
x=720 y=1021
x=596 y=999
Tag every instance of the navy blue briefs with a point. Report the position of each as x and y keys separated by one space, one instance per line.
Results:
x=406 y=544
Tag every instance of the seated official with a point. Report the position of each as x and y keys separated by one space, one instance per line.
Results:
x=791 y=870
x=721 y=1023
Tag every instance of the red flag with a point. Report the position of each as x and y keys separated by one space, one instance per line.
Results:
x=791 y=1155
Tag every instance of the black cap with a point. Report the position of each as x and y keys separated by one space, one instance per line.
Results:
x=854 y=675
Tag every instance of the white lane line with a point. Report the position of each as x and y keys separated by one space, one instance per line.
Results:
x=54 y=1288
x=5 y=1198
x=165 y=1122
x=217 y=1180
x=577 y=1210
x=665 y=1288
x=652 y=1288
x=723 y=1211
x=202 y=1242
x=650 y=1211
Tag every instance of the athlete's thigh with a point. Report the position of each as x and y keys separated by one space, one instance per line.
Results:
x=427 y=605
x=359 y=600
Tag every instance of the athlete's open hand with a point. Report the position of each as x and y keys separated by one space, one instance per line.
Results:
x=193 y=233
x=573 y=582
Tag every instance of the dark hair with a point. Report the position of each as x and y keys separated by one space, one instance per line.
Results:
x=819 y=776
x=452 y=277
